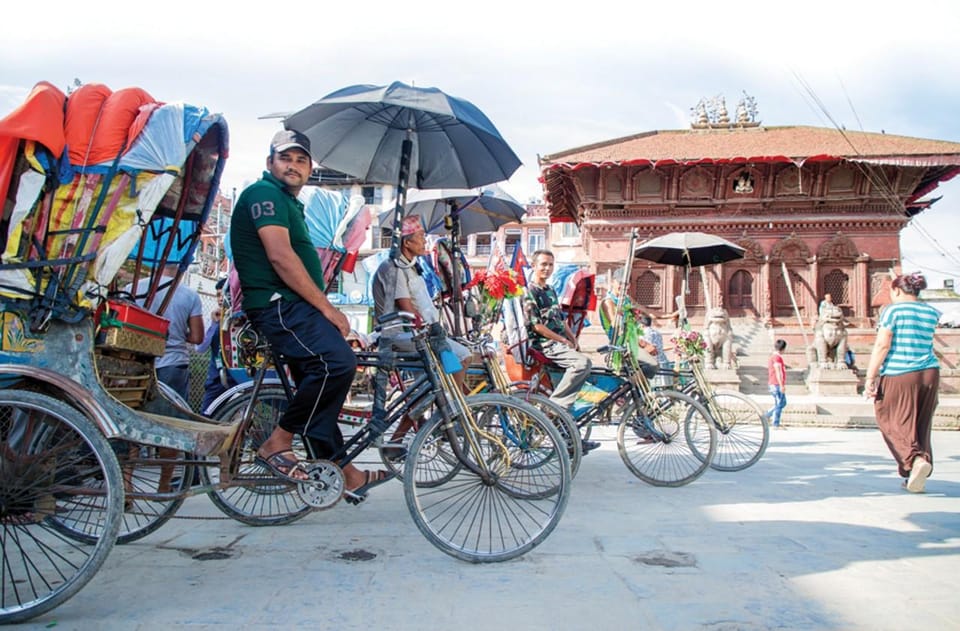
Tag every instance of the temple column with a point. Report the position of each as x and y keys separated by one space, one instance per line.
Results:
x=766 y=291
x=814 y=313
x=861 y=287
x=718 y=299
x=669 y=293
x=815 y=280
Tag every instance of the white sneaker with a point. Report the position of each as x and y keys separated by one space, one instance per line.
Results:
x=918 y=475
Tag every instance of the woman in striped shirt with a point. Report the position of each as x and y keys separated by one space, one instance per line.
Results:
x=903 y=377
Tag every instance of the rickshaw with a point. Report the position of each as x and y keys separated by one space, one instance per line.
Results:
x=101 y=188
x=104 y=194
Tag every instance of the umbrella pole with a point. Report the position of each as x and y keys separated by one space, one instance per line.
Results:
x=406 y=148
x=682 y=299
x=624 y=282
x=456 y=291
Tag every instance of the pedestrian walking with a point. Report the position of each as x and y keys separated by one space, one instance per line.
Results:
x=777 y=380
x=903 y=377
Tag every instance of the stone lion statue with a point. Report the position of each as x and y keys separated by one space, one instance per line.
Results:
x=719 y=338
x=830 y=338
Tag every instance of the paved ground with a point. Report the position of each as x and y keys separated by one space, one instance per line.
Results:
x=817 y=535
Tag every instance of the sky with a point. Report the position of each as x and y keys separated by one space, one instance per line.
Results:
x=551 y=76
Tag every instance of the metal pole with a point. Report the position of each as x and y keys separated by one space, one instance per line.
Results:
x=456 y=292
x=793 y=301
x=708 y=303
x=219 y=241
x=406 y=148
x=627 y=272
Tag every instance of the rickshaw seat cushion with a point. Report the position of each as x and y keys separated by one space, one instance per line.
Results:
x=536 y=357
x=649 y=370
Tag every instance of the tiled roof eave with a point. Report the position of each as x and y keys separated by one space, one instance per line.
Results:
x=892 y=160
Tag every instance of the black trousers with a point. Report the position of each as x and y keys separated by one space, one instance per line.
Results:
x=322 y=364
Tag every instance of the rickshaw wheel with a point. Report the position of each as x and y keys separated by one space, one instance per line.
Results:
x=56 y=468
x=145 y=471
x=255 y=496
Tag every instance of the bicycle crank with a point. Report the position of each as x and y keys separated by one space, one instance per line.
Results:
x=325 y=485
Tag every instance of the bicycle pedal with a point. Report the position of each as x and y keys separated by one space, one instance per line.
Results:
x=353 y=499
x=589 y=445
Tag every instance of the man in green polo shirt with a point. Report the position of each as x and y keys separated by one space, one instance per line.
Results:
x=282 y=281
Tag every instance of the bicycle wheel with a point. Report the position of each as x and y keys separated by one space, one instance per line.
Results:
x=666 y=447
x=255 y=496
x=55 y=464
x=509 y=511
x=564 y=423
x=743 y=432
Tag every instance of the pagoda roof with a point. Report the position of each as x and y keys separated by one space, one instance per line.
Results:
x=757 y=144
x=747 y=145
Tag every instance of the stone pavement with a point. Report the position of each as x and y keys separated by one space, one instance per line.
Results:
x=817 y=410
x=817 y=535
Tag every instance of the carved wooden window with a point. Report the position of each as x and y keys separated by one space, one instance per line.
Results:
x=837 y=284
x=841 y=180
x=647 y=184
x=588 y=182
x=614 y=187
x=794 y=181
x=696 y=183
x=694 y=297
x=647 y=291
x=740 y=290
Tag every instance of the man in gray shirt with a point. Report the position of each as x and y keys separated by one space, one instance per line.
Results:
x=185 y=313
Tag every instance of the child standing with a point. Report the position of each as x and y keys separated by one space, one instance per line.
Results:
x=777 y=379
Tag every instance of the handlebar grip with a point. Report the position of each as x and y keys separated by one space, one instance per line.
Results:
x=395 y=318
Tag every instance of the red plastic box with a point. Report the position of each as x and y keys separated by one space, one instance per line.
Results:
x=139 y=318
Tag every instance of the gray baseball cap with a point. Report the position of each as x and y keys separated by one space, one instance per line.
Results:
x=287 y=139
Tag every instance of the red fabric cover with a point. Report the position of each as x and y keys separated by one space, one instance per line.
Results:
x=99 y=121
x=39 y=118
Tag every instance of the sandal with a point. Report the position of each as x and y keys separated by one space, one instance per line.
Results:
x=371 y=480
x=282 y=466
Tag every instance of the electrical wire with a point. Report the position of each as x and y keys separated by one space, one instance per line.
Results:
x=876 y=175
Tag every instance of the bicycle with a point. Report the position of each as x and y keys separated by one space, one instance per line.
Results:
x=490 y=456
x=493 y=378
x=743 y=431
x=663 y=436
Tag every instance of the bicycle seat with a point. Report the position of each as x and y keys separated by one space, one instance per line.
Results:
x=535 y=357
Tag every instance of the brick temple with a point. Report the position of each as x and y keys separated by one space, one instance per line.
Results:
x=819 y=209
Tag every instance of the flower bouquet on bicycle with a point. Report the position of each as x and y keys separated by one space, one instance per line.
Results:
x=491 y=288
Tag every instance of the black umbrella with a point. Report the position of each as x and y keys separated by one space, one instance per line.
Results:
x=470 y=210
x=688 y=249
x=391 y=133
